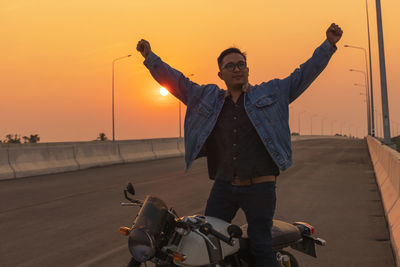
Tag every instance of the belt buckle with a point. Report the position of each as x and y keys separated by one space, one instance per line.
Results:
x=237 y=182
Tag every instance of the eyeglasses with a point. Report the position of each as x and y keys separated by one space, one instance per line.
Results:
x=231 y=66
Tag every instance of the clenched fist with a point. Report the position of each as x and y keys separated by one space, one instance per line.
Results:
x=144 y=48
x=334 y=33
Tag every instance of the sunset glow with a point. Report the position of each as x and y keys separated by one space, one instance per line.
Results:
x=56 y=61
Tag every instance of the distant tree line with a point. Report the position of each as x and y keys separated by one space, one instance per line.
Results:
x=16 y=139
x=34 y=138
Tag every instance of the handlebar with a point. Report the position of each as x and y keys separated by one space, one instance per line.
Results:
x=208 y=229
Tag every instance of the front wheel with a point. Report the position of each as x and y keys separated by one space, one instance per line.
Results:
x=133 y=263
x=292 y=260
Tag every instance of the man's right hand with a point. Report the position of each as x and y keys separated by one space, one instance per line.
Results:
x=144 y=48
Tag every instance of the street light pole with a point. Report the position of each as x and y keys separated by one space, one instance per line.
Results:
x=299 y=119
x=366 y=93
x=370 y=76
x=378 y=122
x=350 y=134
x=341 y=127
x=367 y=85
x=311 y=121
x=112 y=86
x=385 y=105
x=362 y=85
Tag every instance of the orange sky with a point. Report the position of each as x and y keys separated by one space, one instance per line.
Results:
x=56 y=61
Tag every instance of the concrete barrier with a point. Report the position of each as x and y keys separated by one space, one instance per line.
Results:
x=28 y=160
x=311 y=137
x=181 y=146
x=386 y=162
x=6 y=172
x=138 y=150
x=23 y=160
x=93 y=154
x=166 y=148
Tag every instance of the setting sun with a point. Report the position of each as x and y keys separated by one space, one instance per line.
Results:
x=163 y=91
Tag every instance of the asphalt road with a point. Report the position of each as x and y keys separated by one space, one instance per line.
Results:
x=72 y=219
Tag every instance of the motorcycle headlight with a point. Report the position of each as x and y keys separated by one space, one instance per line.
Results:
x=141 y=245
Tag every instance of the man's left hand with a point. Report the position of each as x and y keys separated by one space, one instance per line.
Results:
x=333 y=34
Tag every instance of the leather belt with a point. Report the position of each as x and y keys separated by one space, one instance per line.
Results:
x=262 y=179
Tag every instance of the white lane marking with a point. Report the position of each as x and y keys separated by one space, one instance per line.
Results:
x=102 y=256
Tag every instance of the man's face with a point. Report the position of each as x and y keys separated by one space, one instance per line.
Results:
x=234 y=70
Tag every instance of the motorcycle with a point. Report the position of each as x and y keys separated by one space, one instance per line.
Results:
x=160 y=236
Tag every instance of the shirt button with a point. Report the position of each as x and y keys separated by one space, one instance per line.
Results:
x=234 y=158
x=234 y=118
x=234 y=144
x=234 y=130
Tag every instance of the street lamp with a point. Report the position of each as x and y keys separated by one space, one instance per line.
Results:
x=341 y=127
x=362 y=85
x=313 y=116
x=299 y=119
x=370 y=95
x=113 y=117
x=350 y=126
x=366 y=92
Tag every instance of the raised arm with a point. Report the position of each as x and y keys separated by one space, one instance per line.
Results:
x=303 y=76
x=173 y=80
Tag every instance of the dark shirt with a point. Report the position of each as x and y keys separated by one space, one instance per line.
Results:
x=234 y=149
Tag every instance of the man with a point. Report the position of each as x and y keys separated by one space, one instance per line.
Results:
x=244 y=132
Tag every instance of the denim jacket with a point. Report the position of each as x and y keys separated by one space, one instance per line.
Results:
x=266 y=104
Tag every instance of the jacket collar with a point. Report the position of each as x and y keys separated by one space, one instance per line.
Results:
x=246 y=90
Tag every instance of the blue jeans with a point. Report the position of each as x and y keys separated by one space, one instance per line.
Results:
x=258 y=202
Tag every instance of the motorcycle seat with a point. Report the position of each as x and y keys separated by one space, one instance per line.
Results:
x=283 y=234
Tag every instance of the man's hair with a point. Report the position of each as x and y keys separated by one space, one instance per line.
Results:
x=227 y=52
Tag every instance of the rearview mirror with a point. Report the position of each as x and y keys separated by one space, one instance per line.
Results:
x=130 y=189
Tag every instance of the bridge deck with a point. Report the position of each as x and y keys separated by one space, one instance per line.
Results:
x=71 y=219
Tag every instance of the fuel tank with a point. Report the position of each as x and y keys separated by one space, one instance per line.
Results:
x=199 y=252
